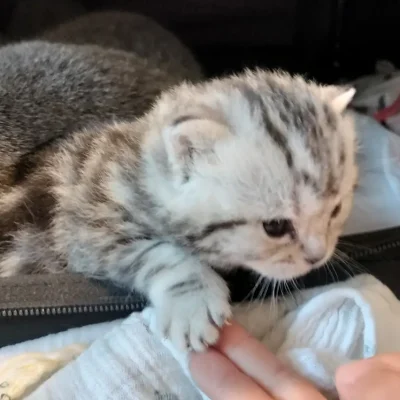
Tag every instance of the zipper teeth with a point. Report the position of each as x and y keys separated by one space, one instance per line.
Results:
x=375 y=250
x=69 y=310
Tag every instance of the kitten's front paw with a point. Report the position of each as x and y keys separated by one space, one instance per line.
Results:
x=192 y=320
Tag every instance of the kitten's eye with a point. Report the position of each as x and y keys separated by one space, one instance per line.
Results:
x=336 y=210
x=278 y=227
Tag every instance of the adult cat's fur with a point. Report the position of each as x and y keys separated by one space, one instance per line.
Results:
x=130 y=32
x=50 y=89
x=254 y=170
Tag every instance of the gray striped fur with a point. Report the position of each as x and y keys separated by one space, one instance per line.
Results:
x=150 y=204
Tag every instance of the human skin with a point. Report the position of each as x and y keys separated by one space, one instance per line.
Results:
x=375 y=378
x=239 y=367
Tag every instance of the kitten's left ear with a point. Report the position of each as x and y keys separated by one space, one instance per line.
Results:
x=339 y=97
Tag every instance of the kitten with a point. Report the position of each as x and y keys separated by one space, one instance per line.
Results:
x=255 y=170
x=49 y=90
x=130 y=32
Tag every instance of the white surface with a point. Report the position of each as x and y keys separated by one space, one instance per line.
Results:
x=57 y=341
x=318 y=331
x=377 y=199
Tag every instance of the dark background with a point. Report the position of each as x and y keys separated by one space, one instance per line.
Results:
x=325 y=39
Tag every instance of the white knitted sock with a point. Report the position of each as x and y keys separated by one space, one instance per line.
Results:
x=128 y=363
x=316 y=332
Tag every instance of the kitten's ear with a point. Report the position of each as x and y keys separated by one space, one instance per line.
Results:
x=188 y=138
x=342 y=101
x=339 y=97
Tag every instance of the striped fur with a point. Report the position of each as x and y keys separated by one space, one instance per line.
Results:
x=152 y=203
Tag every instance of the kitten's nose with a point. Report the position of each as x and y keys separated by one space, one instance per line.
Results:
x=314 y=251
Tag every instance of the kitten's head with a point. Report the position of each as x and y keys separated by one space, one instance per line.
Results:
x=256 y=170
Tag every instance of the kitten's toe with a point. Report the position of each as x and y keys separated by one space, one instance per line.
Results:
x=192 y=320
x=203 y=336
x=219 y=316
x=178 y=333
x=205 y=328
x=200 y=327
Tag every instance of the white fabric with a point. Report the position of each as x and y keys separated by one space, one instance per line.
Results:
x=85 y=335
x=377 y=197
x=316 y=332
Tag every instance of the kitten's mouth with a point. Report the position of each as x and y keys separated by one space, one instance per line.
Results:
x=284 y=270
x=315 y=263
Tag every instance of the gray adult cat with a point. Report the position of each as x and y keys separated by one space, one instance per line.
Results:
x=126 y=31
x=50 y=89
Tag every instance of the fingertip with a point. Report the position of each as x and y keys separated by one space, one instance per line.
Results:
x=232 y=334
x=218 y=378
x=349 y=373
x=355 y=371
x=344 y=374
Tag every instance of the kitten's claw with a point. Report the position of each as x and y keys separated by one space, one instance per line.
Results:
x=193 y=321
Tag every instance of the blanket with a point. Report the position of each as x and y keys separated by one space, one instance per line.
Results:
x=315 y=330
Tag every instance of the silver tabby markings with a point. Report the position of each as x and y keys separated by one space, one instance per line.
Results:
x=254 y=170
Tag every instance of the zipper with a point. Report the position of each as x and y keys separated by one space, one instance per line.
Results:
x=72 y=310
x=374 y=251
x=373 y=244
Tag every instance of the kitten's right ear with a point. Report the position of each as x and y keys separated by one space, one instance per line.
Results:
x=342 y=100
x=339 y=97
x=187 y=139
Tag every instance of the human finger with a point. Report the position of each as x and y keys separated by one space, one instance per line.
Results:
x=220 y=379
x=256 y=361
x=372 y=379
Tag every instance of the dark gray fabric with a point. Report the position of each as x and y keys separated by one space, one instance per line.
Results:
x=58 y=302
x=57 y=290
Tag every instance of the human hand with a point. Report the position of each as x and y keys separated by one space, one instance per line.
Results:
x=239 y=367
x=375 y=378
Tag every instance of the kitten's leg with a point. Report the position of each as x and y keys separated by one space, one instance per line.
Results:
x=191 y=300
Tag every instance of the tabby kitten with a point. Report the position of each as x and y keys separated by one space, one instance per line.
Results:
x=255 y=170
